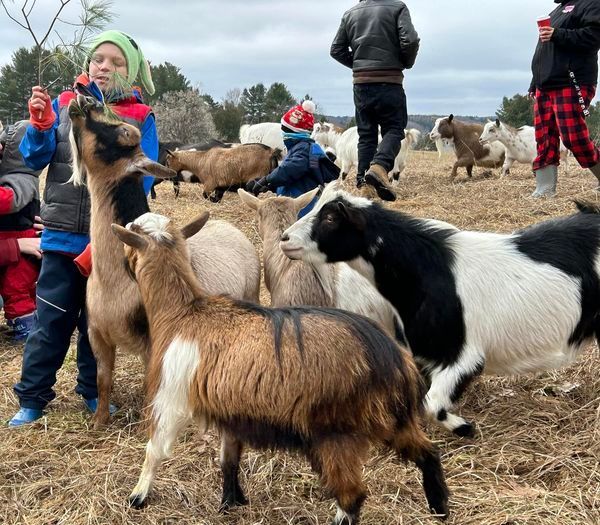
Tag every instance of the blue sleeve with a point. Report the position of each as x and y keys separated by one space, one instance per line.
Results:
x=38 y=147
x=293 y=167
x=149 y=147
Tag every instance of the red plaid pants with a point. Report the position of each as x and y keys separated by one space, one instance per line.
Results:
x=558 y=113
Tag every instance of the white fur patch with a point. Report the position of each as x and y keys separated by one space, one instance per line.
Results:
x=154 y=225
x=77 y=169
x=171 y=407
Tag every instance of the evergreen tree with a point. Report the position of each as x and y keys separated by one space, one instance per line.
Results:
x=166 y=77
x=277 y=101
x=516 y=111
x=253 y=104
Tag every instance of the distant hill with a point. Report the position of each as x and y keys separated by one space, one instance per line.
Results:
x=423 y=123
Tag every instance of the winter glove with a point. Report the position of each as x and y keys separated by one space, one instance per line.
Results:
x=41 y=114
x=84 y=261
x=257 y=186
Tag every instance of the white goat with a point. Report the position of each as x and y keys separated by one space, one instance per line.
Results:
x=267 y=133
x=520 y=143
x=347 y=151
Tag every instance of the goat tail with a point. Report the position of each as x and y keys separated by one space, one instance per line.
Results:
x=587 y=207
x=275 y=158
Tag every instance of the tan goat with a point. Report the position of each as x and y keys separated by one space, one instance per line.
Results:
x=115 y=312
x=295 y=283
x=222 y=169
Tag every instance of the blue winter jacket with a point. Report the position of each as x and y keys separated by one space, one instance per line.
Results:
x=299 y=171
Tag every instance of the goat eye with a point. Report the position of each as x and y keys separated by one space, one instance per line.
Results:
x=329 y=218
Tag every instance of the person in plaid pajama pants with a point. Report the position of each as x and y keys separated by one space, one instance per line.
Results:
x=565 y=74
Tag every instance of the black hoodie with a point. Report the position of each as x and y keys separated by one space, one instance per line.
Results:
x=574 y=46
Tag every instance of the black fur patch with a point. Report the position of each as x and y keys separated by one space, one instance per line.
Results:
x=139 y=322
x=570 y=244
x=412 y=270
x=108 y=147
x=381 y=352
x=129 y=199
x=464 y=382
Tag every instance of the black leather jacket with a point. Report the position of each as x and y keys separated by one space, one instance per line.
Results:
x=574 y=47
x=376 y=35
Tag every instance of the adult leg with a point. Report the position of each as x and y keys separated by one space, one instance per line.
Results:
x=59 y=303
x=573 y=128
x=367 y=127
x=545 y=165
x=391 y=114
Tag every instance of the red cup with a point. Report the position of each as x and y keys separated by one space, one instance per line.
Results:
x=543 y=21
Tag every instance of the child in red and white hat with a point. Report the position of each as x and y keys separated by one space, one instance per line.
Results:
x=306 y=166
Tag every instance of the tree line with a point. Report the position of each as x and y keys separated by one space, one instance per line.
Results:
x=185 y=113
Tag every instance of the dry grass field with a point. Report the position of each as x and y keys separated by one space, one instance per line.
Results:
x=535 y=459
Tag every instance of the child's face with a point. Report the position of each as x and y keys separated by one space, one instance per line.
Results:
x=107 y=60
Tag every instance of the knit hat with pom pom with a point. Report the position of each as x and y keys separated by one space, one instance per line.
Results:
x=301 y=117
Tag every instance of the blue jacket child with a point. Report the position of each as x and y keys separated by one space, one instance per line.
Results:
x=306 y=165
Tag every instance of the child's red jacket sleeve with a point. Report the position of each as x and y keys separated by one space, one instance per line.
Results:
x=9 y=252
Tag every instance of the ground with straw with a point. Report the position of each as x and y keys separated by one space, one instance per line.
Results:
x=535 y=459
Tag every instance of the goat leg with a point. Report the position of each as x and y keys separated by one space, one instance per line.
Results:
x=231 y=450
x=105 y=360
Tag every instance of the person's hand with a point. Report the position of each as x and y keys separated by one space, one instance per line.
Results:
x=38 y=226
x=546 y=33
x=257 y=186
x=531 y=95
x=41 y=114
x=30 y=246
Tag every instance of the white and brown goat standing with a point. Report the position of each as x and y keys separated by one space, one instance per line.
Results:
x=325 y=382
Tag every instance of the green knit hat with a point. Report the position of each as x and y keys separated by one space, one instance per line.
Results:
x=136 y=63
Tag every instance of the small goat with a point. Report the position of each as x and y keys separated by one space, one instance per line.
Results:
x=184 y=176
x=109 y=152
x=470 y=301
x=296 y=283
x=469 y=151
x=267 y=133
x=325 y=382
x=222 y=169
x=347 y=151
x=520 y=143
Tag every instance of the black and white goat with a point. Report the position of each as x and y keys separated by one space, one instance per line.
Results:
x=470 y=301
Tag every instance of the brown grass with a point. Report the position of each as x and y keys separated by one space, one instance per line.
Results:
x=534 y=461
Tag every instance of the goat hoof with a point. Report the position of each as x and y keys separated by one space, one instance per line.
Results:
x=137 y=501
x=229 y=502
x=465 y=430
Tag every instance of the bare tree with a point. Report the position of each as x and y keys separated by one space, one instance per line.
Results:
x=184 y=116
x=94 y=15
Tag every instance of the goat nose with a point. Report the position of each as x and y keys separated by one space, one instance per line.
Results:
x=285 y=237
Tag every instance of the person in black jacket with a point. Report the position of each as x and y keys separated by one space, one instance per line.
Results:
x=565 y=75
x=377 y=40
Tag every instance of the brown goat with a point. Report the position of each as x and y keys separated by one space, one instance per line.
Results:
x=325 y=382
x=222 y=169
x=469 y=151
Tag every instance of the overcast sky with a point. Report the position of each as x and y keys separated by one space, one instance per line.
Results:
x=472 y=53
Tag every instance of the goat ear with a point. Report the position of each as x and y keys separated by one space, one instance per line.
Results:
x=192 y=228
x=497 y=122
x=305 y=199
x=135 y=240
x=248 y=199
x=353 y=216
x=149 y=167
x=451 y=117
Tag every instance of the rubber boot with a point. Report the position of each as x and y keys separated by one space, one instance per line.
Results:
x=545 y=182
x=377 y=176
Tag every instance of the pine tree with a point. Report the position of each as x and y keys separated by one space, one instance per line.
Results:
x=253 y=103
x=277 y=101
x=516 y=111
x=166 y=77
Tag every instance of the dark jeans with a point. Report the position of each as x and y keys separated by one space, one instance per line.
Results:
x=60 y=309
x=379 y=105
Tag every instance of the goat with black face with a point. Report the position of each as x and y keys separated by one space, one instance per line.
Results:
x=470 y=301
